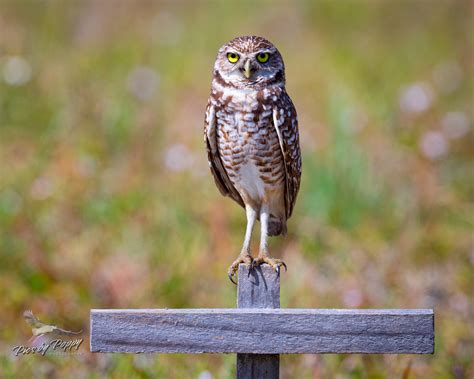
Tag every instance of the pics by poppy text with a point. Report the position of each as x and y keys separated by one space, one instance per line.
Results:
x=57 y=345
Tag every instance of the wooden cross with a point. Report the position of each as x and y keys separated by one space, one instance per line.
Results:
x=258 y=330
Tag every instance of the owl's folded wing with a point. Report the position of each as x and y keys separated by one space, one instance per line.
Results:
x=286 y=125
x=215 y=163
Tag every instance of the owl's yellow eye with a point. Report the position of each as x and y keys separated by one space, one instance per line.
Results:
x=232 y=57
x=263 y=57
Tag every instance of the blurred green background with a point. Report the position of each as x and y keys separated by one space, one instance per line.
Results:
x=106 y=199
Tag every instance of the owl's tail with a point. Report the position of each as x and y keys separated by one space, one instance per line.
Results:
x=276 y=226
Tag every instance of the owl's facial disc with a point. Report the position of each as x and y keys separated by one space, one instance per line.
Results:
x=250 y=62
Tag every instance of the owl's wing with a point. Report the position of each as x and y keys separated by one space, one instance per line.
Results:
x=286 y=125
x=31 y=319
x=215 y=163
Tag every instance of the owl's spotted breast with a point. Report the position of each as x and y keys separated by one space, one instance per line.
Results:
x=248 y=143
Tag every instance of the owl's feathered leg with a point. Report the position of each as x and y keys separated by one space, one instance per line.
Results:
x=244 y=256
x=263 y=256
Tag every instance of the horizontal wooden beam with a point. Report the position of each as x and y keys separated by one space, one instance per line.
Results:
x=263 y=331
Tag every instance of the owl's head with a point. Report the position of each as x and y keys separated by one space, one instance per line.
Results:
x=249 y=61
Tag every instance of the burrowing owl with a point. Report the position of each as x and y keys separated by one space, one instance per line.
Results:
x=251 y=134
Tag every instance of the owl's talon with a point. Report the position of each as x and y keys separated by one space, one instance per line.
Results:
x=273 y=262
x=245 y=258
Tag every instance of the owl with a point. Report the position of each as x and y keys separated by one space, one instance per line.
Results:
x=252 y=140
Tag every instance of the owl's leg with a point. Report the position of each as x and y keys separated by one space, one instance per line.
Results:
x=263 y=256
x=244 y=256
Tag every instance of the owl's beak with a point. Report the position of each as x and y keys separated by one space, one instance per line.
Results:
x=247 y=70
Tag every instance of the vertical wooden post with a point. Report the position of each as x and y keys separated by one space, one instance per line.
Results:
x=258 y=288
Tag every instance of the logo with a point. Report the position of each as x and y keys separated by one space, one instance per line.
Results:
x=48 y=338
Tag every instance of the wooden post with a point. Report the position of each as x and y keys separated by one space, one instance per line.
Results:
x=258 y=288
x=258 y=330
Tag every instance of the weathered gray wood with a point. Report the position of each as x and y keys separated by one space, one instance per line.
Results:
x=263 y=331
x=258 y=288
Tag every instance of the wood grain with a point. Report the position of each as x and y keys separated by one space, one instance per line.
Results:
x=258 y=288
x=263 y=331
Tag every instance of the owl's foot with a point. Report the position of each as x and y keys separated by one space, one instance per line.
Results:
x=275 y=263
x=244 y=257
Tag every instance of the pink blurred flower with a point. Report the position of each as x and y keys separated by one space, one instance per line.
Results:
x=416 y=98
x=433 y=145
x=142 y=82
x=42 y=188
x=455 y=124
x=16 y=71
x=178 y=158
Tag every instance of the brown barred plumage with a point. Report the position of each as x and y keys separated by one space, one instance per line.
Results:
x=251 y=134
